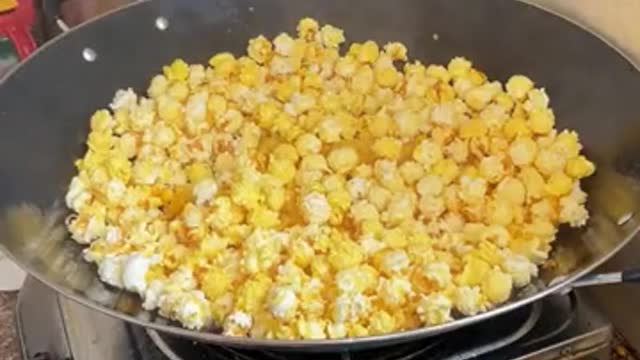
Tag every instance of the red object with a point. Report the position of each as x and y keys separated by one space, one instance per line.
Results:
x=16 y=25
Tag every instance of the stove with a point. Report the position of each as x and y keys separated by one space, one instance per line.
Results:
x=565 y=326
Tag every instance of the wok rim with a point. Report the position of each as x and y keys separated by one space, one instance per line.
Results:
x=374 y=341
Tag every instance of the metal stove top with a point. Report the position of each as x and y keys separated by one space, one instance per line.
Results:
x=560 y=327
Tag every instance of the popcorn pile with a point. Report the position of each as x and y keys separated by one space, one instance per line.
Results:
x=299 y=193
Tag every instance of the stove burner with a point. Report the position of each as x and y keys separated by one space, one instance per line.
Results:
x=470 y=342
x=558 y=327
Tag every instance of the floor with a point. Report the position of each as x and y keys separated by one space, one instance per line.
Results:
x=9 y=349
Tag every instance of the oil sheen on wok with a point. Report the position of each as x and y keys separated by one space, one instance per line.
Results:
x=300 y=191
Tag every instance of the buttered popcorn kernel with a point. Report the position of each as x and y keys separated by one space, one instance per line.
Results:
x=299 y=193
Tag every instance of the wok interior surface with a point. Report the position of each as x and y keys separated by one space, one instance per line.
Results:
x=46 y=103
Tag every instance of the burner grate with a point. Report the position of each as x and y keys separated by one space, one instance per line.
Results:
x=577 y=329
x=470 y=342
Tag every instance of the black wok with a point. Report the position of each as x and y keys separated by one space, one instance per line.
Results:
x=45 y=105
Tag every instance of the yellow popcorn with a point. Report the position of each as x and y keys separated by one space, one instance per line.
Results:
x=259 y=49
x=396 y=51
x=223 y=64
x=523 y=151
x=459 y=67
x=499 y=212
x=263 y=218
x=329 y=130
x=313 y=162
x=439 y=72
x=431 y=207
x=468 y=300
x=549 y=162
x=344 y=254
x=497 y=286
x=386 y=76
x=286 y=152
x=434 y=309
x=400 y=208
x=541 y=121
x=411 y=171
x=215 y=283
x=169 y=109
x=372 y=227
x=159 y=85
x=362 y=211
x=331 y=36
x=363 y=80
x=567 y=144
x=516 y=126
x=99 y=142
x=248 y=73
x=427 y=153
x=198 y=172
x=387 y=147
x=477 y=77
x=579 y=167
x=339 y=199
x=518 y=86
x=177 y=71
x=572 y=209
x=308 y=144
x=307 y=28
x=381 y=323
x=252 y=293
x=386 y=172
x=559 y=184
x=474 y=272
x=179 y=91
x=537 y=99
x=316 y=208
x=447 y=169
x=478 y=98
x=246 y=194
x=504 y=100
x=369 y=52
x=299 y=191
x=394 y=290
x=101 y=121
x=394 y=238
x=379 y=196
x=342 y=160
x=473 y=128
x=380 y=125
x=492 y=169
x=511 y=190
x=312 y=329
x=472 y=189
x=393 y=262
x=407 y=123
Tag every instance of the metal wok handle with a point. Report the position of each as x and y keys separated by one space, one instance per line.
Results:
x=626 y=276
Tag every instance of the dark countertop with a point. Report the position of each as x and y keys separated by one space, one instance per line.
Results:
x=9 y=349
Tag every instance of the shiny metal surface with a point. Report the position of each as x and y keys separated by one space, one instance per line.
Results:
x=593 y=88
x=591 y=333
x=618 y=22
x=598 y=279
x=484 y=341
x=38 y=305
x=73 y=332
x=492 y=346
x=61 y=329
